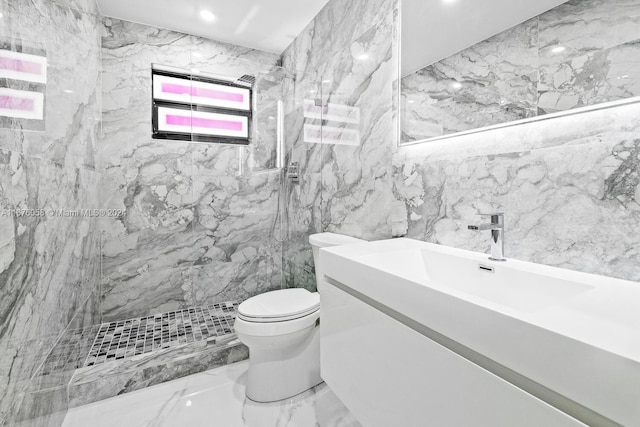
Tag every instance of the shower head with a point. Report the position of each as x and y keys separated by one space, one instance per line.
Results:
x=246 y=80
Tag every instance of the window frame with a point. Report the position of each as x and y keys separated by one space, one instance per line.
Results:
x=199 y=137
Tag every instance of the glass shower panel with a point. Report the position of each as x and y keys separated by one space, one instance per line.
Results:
x=358 y=129
x=304 y=150
x=342 y=169
x=236 y=232
x=49 y=126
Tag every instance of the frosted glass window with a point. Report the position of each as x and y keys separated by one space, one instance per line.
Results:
x=188 y=107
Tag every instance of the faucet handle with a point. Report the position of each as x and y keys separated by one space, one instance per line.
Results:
x=492 y=214
x=496 y=218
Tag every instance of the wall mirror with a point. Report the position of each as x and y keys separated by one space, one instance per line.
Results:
x=469 y=65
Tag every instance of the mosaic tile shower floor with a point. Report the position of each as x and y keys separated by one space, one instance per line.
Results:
x=128 y=338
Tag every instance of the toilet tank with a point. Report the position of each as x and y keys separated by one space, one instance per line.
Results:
x=324 y=240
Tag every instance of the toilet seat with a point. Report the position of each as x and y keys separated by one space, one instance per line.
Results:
x=276 y=319
x=275 y=313
x=275 y=329
x=279 y=306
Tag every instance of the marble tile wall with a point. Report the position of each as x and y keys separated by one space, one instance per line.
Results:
x=601 y=55
x=201 y=220
x=569 y=187
x=48 y=263
x=578 y=54
x=494 y=81
x=348 y=56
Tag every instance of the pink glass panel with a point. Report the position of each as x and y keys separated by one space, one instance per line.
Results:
x=20 y=65
x=177 y=89
x=189 y=121
x=15 y=103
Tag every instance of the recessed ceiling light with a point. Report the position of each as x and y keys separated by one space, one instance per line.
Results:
x=558 y=49
x=207 y=15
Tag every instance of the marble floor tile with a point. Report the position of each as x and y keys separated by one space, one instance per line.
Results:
x=212 y=398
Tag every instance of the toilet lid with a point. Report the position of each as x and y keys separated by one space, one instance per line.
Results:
x=283 y=304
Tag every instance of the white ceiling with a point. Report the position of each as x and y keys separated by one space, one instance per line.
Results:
x=435 y=29
x=431 y=29
x=266 y=25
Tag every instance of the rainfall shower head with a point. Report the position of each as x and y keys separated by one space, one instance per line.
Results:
x=246 y=80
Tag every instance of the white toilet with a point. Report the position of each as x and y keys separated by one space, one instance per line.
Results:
x=281 y=330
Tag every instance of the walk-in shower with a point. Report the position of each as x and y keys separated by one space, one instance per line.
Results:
x=145 y=290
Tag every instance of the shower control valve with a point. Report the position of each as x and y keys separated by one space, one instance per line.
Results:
x=292 y=172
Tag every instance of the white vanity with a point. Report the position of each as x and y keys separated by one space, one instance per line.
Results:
x=417 y=334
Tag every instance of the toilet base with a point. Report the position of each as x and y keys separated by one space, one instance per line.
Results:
x=288 y=367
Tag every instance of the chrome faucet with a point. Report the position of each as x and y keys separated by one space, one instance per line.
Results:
x=497 y=235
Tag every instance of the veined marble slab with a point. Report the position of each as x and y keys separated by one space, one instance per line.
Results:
x=494 y=81
x=569 y=185
x=569 y=188
x=578 y=54
x=49 y=264
x=346 y=56
x=196 y=214
x=599 y=59
x=68 y=134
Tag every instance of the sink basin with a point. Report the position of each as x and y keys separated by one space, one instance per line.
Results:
x=571 y=334
x=495 y=282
